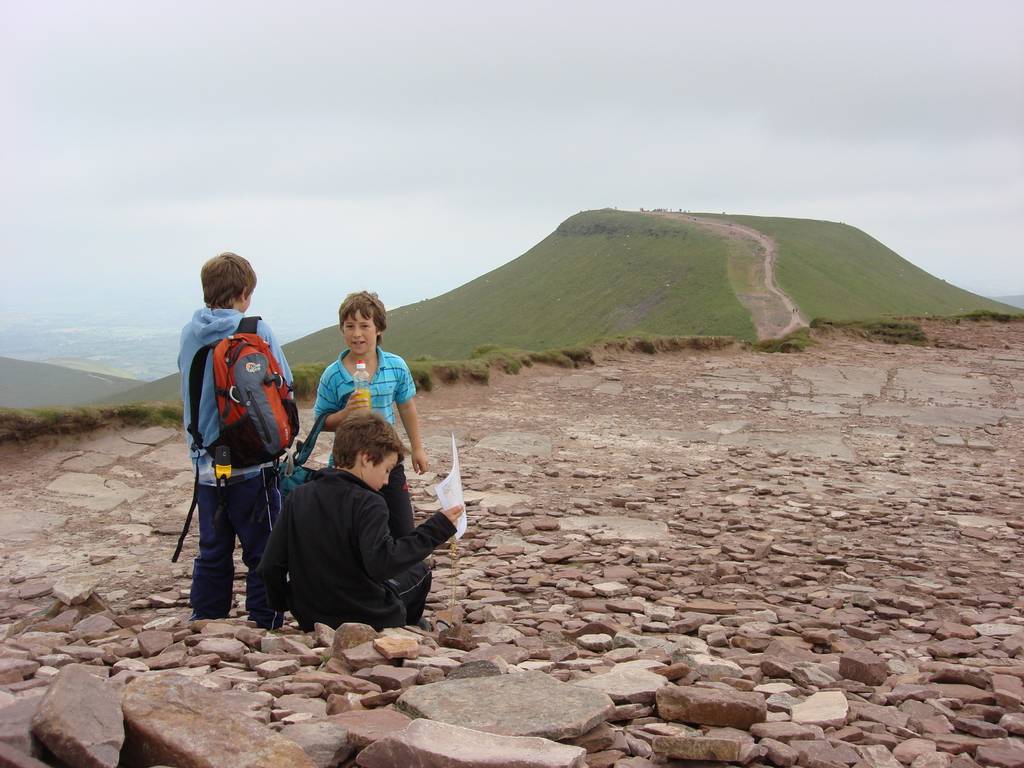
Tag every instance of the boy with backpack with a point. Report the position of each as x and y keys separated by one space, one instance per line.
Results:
x=240 y=417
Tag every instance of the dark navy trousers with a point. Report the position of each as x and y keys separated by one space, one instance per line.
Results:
x=251 y=509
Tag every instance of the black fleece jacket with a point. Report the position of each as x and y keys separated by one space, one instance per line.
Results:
x=331 y=551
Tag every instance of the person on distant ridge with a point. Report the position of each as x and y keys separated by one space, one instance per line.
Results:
x=332 y=557
x=251 y=500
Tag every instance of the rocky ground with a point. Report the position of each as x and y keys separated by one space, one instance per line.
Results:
x=810 y=559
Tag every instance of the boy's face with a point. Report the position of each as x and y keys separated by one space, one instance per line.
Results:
x=376 y=475
x=360 y=334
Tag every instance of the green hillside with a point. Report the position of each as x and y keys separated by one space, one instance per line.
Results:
x=600 y=273
x=603 y=273
x=25 y=384
x=838 y=272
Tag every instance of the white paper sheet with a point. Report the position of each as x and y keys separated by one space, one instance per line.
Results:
x=449 y=491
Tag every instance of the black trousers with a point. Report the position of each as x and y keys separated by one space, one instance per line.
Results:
x=412 y=588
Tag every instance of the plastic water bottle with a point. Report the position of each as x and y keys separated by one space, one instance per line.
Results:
x=362 y=381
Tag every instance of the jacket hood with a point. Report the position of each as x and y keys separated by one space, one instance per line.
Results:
x=212 y=325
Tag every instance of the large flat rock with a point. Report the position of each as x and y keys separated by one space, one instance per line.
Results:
x=850 y=380
x=428 y=744
x=170 y=720
x=524 y=704
x=820 y=444
x=92 y=491
x=626 y=684
x=629 y=528
x=518 y=443
x=932 y=384
x=939 y=416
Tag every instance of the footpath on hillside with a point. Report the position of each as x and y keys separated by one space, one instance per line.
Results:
x=773 y=313
x=812 y=559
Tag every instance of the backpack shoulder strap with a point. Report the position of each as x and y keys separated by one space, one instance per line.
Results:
x=196 y=373
x=248 y=324
x=302 y=455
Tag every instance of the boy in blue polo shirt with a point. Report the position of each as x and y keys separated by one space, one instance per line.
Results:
x=363 y=320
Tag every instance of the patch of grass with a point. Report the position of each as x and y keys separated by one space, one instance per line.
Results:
x=894 y=331
x=17 y=425
x=797 y=341
x=306 y=378
x=980 y=315
x=650 y=345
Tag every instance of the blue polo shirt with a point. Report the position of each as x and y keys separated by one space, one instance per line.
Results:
x=392 y=383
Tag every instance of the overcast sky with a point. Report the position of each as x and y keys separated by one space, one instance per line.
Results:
x=408 y=147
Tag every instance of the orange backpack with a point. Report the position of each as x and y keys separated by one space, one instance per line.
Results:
x=258 y=416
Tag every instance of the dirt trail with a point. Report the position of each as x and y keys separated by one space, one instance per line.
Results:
x=765 y=321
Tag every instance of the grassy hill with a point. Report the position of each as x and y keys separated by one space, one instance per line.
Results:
x=600 y=273
x=838 y=272
x=25 y=384
x=1013 y=301
x=603 y=273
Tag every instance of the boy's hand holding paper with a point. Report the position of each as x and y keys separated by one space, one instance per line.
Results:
x=449 y=492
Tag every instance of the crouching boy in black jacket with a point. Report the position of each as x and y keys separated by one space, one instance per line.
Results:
x=331 y=557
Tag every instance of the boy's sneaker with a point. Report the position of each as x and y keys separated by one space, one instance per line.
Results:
x=425 y=625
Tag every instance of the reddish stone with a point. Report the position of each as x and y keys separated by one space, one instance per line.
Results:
x=710 y=706
x=864 y=666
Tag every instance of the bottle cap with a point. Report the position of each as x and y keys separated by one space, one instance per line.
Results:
x=360 y=363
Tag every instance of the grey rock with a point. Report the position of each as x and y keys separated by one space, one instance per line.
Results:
x=427 y=744
x=524 y=704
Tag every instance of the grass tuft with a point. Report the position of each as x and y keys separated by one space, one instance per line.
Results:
x=797 y=341
x=17 y=425
x=979 y=315
x=895 y=331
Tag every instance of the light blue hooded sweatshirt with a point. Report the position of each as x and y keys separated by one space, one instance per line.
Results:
x=209 y=326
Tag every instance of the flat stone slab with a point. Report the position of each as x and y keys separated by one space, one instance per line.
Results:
x=680 y=437
x=15 y=525
x=825 y=708
x=171 y=720
x=87 y=462
x=172 y=456
x=523 y=704
x=113 y=445
x=149 y=435
x=939 y=416
x=428 y=744
x=580 y=381
x=629 y=528
x=826 y=408
x=728 y=427
x=518 y=443
x=850 y=380
x=820 y=444
x=93 y=491
x=499 y=499
x=942 y=385
x=626 y=684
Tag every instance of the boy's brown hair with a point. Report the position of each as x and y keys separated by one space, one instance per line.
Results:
x=365 y=433
x=366 y=304
x=226 y=278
